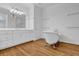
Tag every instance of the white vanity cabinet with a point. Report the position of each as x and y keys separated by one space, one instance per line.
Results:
x=9 y=38
x=21 y=36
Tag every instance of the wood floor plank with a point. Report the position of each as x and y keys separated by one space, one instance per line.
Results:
x=38 y=48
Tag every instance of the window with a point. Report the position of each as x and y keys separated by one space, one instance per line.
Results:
x=3 y=21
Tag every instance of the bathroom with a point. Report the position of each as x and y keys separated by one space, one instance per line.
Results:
x=23 y=22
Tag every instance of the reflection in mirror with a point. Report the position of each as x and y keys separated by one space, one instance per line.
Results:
x=17 y=21
x=2 y=21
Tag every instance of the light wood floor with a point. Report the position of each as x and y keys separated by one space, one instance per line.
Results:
x=38 y=48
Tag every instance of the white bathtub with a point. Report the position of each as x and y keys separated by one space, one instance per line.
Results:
x=50 y=37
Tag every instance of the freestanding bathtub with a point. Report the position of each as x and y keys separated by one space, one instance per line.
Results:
x=51 y=37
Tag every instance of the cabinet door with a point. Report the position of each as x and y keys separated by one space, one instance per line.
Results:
x=6 y=39
x=6 y=44
x=17 y=36
x=5 y=35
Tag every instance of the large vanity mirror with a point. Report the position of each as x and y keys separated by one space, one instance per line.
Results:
x=15 y=20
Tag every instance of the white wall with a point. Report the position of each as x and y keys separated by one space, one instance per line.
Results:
x=65 y=18
x=38 y=12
